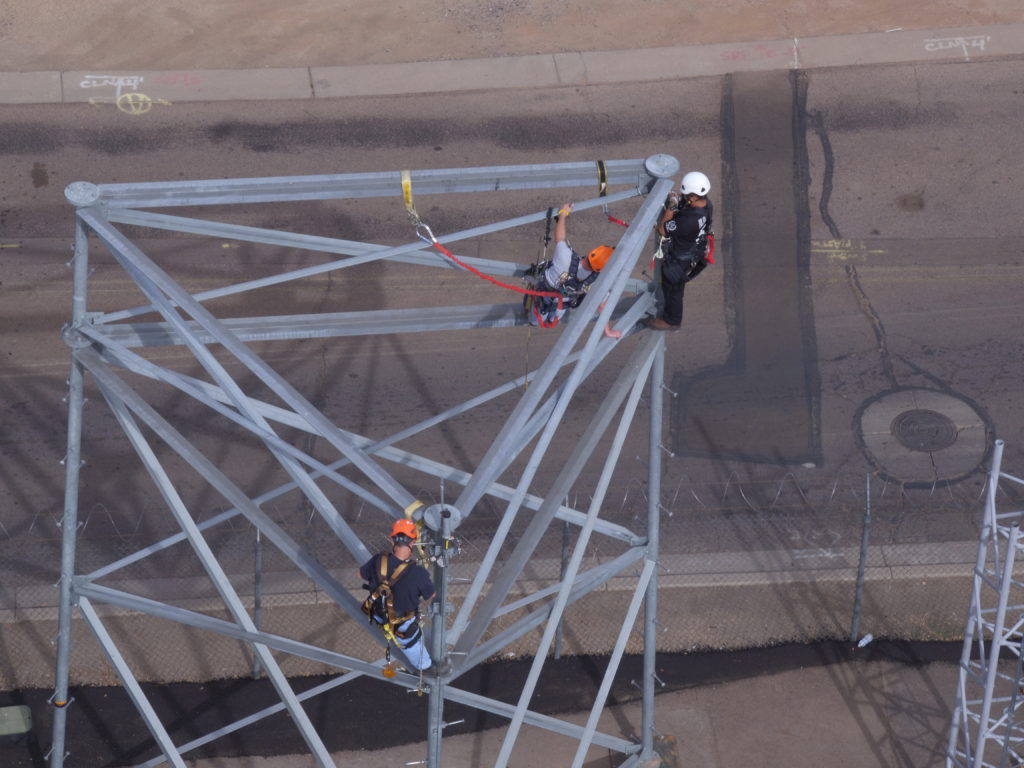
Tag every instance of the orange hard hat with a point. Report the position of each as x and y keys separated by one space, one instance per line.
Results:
x=404 y=527
x=598 y=257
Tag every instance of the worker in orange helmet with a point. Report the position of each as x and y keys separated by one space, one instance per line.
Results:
x=397 y=584
x=567 y=274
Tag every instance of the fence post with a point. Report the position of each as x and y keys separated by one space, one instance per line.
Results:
x=257 y=601
x=865 y=534
x=561 y=577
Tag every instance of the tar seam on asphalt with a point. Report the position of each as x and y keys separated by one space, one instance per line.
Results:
x=817 y=120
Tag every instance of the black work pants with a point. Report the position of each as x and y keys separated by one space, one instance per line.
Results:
x=673 y=293
x=674 y=274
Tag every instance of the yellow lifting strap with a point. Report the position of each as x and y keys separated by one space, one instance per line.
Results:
x=412 y=508
x=407 y=195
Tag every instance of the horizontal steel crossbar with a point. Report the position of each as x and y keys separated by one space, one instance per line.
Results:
x=364 y=185
x=334 y=324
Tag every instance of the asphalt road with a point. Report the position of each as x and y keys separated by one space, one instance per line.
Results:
x=868 y=244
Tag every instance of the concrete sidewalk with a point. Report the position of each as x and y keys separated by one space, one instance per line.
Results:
x=859 y=714
x=134 y=91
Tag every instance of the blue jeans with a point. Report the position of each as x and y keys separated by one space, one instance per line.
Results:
x=416 y=650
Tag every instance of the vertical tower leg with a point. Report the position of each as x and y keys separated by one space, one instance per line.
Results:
x=653 y=533
x=438 y=642
x=72 y=462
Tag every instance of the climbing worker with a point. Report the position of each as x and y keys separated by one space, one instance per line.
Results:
x=685 y=227
x=396 y=585
x=567 y=274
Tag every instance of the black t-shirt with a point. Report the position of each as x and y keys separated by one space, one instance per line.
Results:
x=412 y=585
x=685 y=229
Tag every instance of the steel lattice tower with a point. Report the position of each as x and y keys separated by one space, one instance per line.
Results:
x=987 y=731
x=103 y=347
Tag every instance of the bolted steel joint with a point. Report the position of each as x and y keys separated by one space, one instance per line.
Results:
x=82 y=193
x=436 y=513
x=73 y=337
x=661 y=166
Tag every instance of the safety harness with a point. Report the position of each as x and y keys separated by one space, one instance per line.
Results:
x=530 y=276
x=379 y=607
x=570 y=289
x=572 y=286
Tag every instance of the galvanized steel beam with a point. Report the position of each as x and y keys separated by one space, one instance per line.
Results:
x=146 y=272
x=573 y=567
x=254 y=718
x=582 y=586
x=220 y=580
x=69 y=531
x=539 y=524
x=335 y=324
x=207 y=623
x=385 y=184
x=371 y=256
x=131 y=685
x=221 y=483
x=534 y=419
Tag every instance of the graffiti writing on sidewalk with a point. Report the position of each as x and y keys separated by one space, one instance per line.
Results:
x=963 y=43
x=126 y=97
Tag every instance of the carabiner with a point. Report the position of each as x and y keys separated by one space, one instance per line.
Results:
x=429 y=237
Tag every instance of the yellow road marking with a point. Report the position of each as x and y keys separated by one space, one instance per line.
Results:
x=843 y=250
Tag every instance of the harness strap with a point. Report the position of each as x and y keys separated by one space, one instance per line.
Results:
x=384 y=589
x=574 y=271
x=384 y=570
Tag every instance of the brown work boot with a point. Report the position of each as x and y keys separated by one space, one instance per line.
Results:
x=659 y=324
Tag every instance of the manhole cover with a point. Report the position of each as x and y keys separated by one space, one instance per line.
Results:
x=921 y=436
x=924 y=430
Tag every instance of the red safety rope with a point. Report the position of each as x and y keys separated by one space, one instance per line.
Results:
x=516 y=288
x=541 y=321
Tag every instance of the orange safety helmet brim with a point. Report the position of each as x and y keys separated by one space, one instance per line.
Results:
x=598 y=257
x=404 y=528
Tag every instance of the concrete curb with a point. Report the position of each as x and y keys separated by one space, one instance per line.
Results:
x=136 y=91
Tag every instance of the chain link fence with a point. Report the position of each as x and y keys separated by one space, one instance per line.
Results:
x=743 y=564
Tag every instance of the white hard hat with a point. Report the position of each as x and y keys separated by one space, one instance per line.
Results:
x=695 y=183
